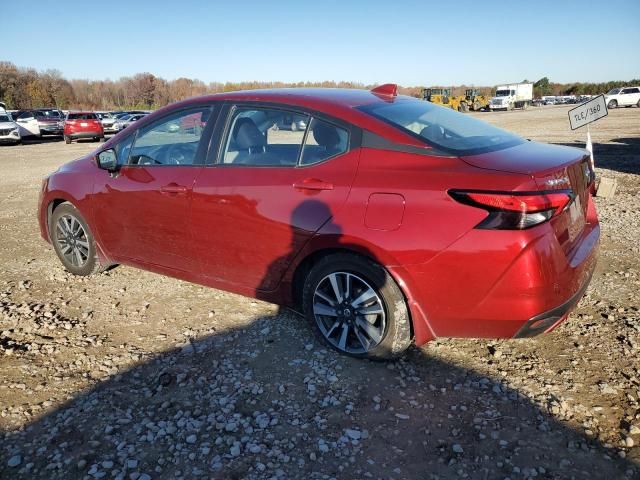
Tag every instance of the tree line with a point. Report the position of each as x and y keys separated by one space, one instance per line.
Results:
x=24 y=88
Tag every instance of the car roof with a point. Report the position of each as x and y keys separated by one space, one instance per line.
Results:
x=341 y=103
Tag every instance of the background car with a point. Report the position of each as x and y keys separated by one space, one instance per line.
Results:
x=126 y=120
x=386 y=220
x=623 y=97
x=50 y=121
x=9 y=130
x=290 y=122
x=27 y=123
x=107 y=120
x=82 y=125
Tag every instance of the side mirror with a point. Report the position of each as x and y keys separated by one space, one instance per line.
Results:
x=107 y=160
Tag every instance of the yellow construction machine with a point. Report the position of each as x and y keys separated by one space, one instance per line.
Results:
x=473 y=101
x=441 y=96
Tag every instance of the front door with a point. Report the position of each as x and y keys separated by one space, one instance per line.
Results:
x=268 y=193
x=143 y=212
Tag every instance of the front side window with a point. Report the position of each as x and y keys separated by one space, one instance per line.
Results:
x=442 y=127
x=613 y=91
x=169 y=141
x=264 y=137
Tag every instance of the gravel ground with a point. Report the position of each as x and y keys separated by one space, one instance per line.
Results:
x=131 y=375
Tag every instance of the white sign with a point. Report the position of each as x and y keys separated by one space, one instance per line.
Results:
x=588 y=112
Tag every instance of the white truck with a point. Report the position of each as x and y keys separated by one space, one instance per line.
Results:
x=515 y=95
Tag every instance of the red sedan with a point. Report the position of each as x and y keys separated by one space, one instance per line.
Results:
x=386 y=220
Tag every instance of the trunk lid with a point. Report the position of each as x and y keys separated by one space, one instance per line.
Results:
x=552 y=167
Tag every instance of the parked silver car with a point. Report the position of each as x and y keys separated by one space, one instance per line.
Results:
x=127 y=120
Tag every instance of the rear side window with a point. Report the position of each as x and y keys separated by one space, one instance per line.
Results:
x=264 y=137
x=323 y=141
x=82 y=116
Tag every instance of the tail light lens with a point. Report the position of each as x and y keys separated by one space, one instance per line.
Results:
x=515 y=210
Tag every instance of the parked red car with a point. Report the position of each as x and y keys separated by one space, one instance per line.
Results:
x=386 y=219
x=82 y=125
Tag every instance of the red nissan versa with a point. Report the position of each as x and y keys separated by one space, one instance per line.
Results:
x=386 y=219
x=82 y=125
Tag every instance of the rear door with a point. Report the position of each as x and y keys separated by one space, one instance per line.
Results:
x=268 y=192
x=143 y=212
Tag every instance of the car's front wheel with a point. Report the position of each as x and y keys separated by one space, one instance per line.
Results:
x=73 y=242
x=613 y=104
x=356 y=307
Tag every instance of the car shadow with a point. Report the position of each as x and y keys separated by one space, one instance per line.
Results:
x=619 y=154
x=247 y=402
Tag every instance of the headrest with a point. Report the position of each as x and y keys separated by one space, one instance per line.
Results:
x=325 y=135
x=247 y=135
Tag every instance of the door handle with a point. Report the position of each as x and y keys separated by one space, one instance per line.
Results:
x=173 y=189
x=313 y=184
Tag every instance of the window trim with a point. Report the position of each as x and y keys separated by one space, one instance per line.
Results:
x=220 y=135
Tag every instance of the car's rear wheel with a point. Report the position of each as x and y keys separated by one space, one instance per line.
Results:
x=356 y=307
x=67 y=139
x=612 y=104
x=638 y=104
x=73 y=242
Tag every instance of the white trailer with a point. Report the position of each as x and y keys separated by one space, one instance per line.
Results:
x=515 y=95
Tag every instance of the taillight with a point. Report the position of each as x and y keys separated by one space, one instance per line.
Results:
x=515 y=210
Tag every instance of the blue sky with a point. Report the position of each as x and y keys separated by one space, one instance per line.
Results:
x=405 y=42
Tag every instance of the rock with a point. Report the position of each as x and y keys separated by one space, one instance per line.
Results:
x=457 y=448
x=353 y=434
x=629 y=442
x=15 y=461
x=191 y=439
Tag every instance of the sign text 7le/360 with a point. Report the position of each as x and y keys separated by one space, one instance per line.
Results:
x=588 y=112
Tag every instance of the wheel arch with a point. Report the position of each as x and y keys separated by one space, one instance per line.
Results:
x=54 y=202
x=303 y=268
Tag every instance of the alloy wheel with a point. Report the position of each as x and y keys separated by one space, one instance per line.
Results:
x=349 y=313
x=72 y=240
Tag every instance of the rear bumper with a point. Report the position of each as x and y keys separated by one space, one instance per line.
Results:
x=501 y=284
x=549 y=320
x=77 y=135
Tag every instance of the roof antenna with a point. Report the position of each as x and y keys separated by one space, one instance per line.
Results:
x=388 y=89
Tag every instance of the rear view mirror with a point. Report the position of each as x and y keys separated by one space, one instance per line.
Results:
x=107 y=160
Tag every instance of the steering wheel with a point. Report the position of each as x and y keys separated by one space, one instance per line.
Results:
x=147 y=160
x=180 y=154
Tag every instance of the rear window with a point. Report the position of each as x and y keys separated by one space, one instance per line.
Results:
x=82 y=116
x=442 y=127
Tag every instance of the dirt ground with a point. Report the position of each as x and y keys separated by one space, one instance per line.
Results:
x=132 y=375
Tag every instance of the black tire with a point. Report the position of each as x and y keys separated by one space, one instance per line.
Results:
x=392 y=324
x=67 y=139
x=91 y=264
x=638 y=104
x=612 y=104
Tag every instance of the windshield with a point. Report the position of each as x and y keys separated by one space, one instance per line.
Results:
x=443 y=127
x=49 y=113
x=502 y=93
x=613 y=91
x=4 y=118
